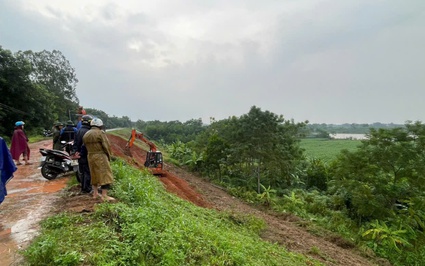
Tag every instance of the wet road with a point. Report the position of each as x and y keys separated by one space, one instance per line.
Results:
x=30 y=197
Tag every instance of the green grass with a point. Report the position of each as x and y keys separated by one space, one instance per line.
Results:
x=327 y=149
x=150 y=226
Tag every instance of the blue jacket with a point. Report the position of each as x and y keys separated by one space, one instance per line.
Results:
x=7 y=168
x=79 y=145
x=68 y=133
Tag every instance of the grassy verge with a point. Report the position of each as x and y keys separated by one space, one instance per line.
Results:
x=152 y=227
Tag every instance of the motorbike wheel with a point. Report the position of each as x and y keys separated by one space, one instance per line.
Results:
x=48 y=173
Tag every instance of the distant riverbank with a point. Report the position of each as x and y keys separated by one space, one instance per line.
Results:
x=348 y=136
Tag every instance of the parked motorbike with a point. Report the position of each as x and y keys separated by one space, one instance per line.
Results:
x=47 y=133
x=56 y=163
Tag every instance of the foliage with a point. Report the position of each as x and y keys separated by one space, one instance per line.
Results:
x=152 y=227
x=381 y=186
x=171 y=131
x=390 y=238
x=316 y=175
x=185 y=156
x=38 y=88
x=52 y=71
x=267 y=197
x=258 y=147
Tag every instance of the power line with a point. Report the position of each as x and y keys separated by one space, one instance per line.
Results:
x=11 y=109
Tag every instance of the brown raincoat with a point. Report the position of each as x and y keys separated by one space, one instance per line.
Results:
x=99 y=155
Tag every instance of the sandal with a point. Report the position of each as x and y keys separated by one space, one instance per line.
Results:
x=108 y=199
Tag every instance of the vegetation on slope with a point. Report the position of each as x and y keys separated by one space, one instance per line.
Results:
x=152 y=227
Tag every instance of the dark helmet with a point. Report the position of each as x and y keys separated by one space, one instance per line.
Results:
x=86 y=119
x=69 y=123
x=57 y=123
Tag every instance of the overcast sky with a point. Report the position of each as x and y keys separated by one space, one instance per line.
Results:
x=331 y=61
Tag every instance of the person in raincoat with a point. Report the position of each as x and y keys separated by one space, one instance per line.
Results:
x=7 y=168
x=19 y=144
x=99 y=156
x=57 y=145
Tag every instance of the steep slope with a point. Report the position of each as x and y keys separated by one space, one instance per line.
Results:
x=285 y=230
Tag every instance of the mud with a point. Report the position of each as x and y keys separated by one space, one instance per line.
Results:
x=31 y=198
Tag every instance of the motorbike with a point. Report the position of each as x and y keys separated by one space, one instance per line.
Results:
x=54 y=163
x=47 y=133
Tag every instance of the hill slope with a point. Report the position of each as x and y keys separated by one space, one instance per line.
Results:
x=286 y=230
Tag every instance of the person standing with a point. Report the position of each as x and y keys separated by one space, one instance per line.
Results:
x=81 y=110
x=19 y=145
x=80 y=151
x=68 y=132
x=79 y=121
x=57 y=145
x=99 y=156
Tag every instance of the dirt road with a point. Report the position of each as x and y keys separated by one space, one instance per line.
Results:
x=31 y=198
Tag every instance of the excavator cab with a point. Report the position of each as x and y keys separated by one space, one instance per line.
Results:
x=154 y=160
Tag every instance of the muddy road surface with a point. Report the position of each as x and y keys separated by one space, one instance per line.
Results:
x=29 y=200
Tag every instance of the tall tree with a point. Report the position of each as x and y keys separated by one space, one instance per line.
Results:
x=262 y=148
x=54 y=72
x=20 y=99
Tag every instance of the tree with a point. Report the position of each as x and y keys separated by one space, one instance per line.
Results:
x=262 y=148
x=53 y=71
x=388 y=168
x=216 y=154
x=21 y=99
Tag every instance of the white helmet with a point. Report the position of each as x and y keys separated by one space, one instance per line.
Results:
x=96 y=122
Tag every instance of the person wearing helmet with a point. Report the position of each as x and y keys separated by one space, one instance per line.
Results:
x=99 y=156
x=80 y=151
x=19 y=145
x=68 y=133
x=57 y=127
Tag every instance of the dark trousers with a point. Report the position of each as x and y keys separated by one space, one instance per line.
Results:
x=85 y=177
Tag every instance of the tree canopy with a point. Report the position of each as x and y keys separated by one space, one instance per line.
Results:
x=21 y=98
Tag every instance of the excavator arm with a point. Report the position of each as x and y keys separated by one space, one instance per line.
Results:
x=137 y=135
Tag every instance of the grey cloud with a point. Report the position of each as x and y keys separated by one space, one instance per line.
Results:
x=354 y=61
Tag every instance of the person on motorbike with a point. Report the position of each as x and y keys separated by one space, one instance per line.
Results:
x=68 y=133
x=80 y=151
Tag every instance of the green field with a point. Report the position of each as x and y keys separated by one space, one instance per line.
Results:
x=327 y=149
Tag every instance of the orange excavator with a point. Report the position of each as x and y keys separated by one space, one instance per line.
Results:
x=154 y=161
